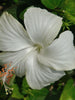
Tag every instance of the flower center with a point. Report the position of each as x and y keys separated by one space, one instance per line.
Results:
x=39 y=47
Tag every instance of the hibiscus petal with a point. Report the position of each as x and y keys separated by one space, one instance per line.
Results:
x=60 y=55
x=12 y=34
x=42 y=26
x=38 y=75
x=16 y=60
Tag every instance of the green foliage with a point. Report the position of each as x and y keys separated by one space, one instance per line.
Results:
x=52 y=4
x=21 y=16
x=69 y=91
x=33 y=94
x=16 y=1
x=25 y=88
x=39 y=94
x=26 y=93
x=16 y=94
x=68 y=7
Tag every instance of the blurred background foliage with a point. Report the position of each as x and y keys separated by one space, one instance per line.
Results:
x=64 y=89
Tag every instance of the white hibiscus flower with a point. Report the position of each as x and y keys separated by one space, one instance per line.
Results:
x=34 y=51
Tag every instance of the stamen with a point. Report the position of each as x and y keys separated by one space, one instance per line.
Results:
x=38 y=47
x=8 y=90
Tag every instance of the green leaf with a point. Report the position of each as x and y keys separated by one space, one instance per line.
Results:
x=69 y=91
x=39 y=94
x=52 y=4
x=25 y=88
x=68 y=7
x=16 y=94
x=33 y=94
x=21 y=16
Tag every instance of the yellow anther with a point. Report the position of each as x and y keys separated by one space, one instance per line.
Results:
x=10 y=92
x=6 y=93
x=6 y=90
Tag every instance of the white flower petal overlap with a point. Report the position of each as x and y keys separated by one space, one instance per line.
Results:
x=33 y=51
x=38 y=75
x=60 y=55
x=42 y=26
